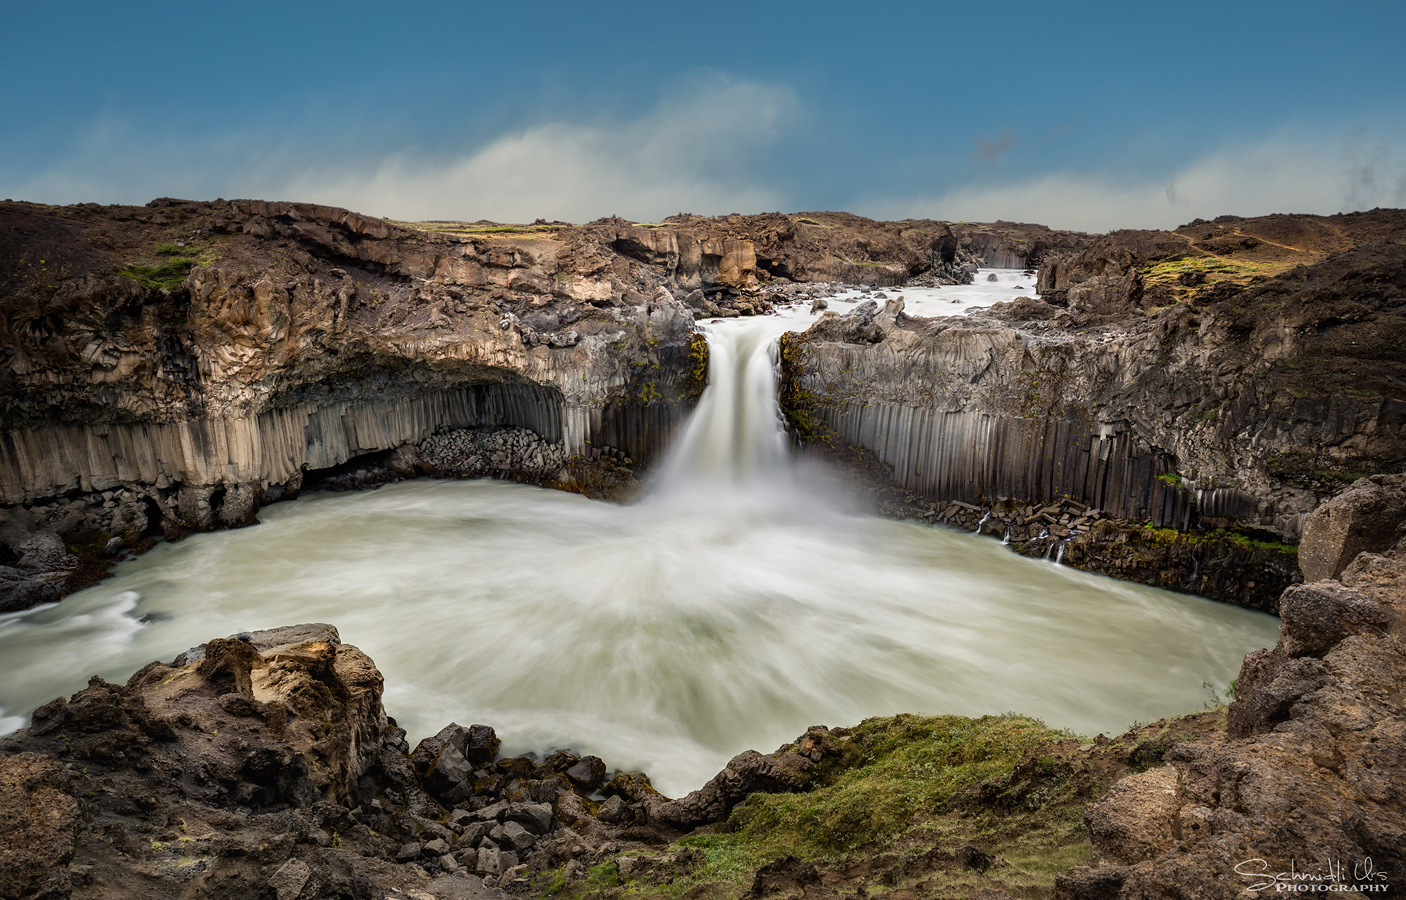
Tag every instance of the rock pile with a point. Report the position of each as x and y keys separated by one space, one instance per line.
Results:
x=263 y=764
x=484 y=452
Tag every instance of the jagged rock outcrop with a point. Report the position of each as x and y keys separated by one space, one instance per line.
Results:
x=791 y=768
x=1307 y=783
x=1013 y=245
x=1238 y=401
x=828 y=246
x=264 y=764
x=227 y=771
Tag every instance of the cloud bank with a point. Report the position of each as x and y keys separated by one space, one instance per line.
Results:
x=694 y=152
x=1283 y=174
x=707 y=149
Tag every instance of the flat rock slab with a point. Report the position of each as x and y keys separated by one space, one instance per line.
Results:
x=271 y=639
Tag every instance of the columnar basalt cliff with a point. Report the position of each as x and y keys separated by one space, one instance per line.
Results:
x=1200 y=378
x=171 y=368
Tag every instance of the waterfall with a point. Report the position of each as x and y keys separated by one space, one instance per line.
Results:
x=735 y=439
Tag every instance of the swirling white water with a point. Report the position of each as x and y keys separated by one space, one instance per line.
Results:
x=742 y=601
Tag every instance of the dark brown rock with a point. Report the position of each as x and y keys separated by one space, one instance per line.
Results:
x=1368 y=516
x=39 y=825
x=784 y=876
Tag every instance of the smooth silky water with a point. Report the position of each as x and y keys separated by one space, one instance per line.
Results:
x=744 y=599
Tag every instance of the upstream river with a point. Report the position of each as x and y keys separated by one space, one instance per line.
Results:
x=742 y=600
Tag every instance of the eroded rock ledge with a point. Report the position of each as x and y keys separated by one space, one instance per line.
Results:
x=1310 y=775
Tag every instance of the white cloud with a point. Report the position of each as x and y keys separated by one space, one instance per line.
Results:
x=690 y=153
x=1284 y=174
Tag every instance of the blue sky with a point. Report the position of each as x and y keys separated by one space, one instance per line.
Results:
x=1087 y=115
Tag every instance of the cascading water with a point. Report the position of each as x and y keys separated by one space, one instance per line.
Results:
x=735 y=436
x=734 y=607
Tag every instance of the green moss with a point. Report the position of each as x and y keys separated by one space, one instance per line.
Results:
x=170 y=273
x=697 y=379
x=605 y=875
x=909 y=771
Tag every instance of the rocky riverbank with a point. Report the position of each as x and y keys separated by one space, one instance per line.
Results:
x=264 y=765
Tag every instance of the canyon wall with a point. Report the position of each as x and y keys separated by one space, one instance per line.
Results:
x=171 y=368
x=1182 y=389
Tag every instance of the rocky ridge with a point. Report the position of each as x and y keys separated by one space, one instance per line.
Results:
x=1308 y=777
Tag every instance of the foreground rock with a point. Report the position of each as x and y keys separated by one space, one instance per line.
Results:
x=1310 y=777
x=264 y=764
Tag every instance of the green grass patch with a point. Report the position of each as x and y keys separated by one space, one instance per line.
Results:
x=910 y=768
x=170 y=273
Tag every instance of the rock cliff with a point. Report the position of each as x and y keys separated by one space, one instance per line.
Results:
x=171 y=368
x=1187 y=380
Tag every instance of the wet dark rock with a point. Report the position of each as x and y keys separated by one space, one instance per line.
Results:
x=19 y=590
x=588 y=774
x=481 y=745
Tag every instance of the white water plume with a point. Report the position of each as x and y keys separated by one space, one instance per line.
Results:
x=732 y=609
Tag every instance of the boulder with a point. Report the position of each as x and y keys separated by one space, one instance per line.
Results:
x=1368 y=516
x=481 y=745
x=535 y=817
x=44 y=551
x=588 y=773
x=20 y=590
